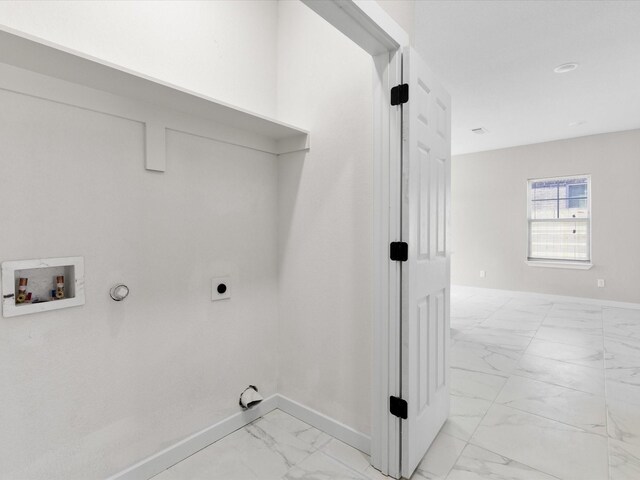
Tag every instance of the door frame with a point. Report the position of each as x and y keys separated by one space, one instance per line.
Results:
x=371 y=27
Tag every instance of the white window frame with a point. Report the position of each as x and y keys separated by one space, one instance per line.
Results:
x=560 y=263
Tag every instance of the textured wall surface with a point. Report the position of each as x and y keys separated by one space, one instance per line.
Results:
x=96 y=388
x=225 y=49
x=326 y=205
x=403 y=12
x=93 y=389
x=489 y=207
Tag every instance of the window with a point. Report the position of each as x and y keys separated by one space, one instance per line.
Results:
x=560 y=219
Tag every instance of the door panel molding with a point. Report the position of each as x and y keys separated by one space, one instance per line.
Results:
x=424 y=319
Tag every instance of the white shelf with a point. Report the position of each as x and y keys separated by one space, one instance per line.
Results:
x=25 y=52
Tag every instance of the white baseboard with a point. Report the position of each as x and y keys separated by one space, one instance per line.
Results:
x=168 y=457
x=550 y=297
x=326 y=424
x=164 y=459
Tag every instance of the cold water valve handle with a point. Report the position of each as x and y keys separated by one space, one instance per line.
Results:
x=119 y=292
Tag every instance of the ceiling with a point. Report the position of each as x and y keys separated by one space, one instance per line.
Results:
x=496 y=58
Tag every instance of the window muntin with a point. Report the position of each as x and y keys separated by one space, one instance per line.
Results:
x=559 y=219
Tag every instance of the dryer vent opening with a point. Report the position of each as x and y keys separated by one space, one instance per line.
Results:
x=250 y=397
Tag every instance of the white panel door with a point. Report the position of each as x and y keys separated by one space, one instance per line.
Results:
x=426 y=173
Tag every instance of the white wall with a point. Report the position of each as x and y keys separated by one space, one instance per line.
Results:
x=90 y=390
x=326 y=201
x=99 y=387
x=489 y=207
x=403 y=12
x=224 y=49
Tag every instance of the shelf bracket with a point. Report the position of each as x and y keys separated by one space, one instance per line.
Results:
x=155 y=146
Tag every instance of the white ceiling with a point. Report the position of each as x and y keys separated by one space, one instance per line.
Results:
x=496 y=58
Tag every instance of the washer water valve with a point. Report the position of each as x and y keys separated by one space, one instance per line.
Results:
x=119 y=292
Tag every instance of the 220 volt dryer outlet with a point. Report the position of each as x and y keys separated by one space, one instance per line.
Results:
x=220 y=288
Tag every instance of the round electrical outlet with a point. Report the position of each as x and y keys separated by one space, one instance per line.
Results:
x=221 y=288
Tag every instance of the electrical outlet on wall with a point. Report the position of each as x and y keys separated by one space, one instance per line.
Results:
x=483 y=274
x=601 y=283
x=220 y=288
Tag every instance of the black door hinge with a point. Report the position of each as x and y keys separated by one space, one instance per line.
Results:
x=398 y=407
x=400 y=94
x=399 y=251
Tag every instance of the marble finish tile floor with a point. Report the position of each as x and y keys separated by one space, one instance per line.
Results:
x=541 y=390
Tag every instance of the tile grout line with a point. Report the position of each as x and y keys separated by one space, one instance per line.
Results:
x=493 y=402
x=521 y=463
x=606 y=400
x=510 y=374
x=551 y=419
x=606 y=435
x=602 y=369
x=563 y=361
x=314 y=449
x=344 y=464
x=275 y=442
x=467 y=442
x=557 y=384
x=604 y=379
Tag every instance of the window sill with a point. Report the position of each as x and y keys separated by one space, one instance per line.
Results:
x=559 y=264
